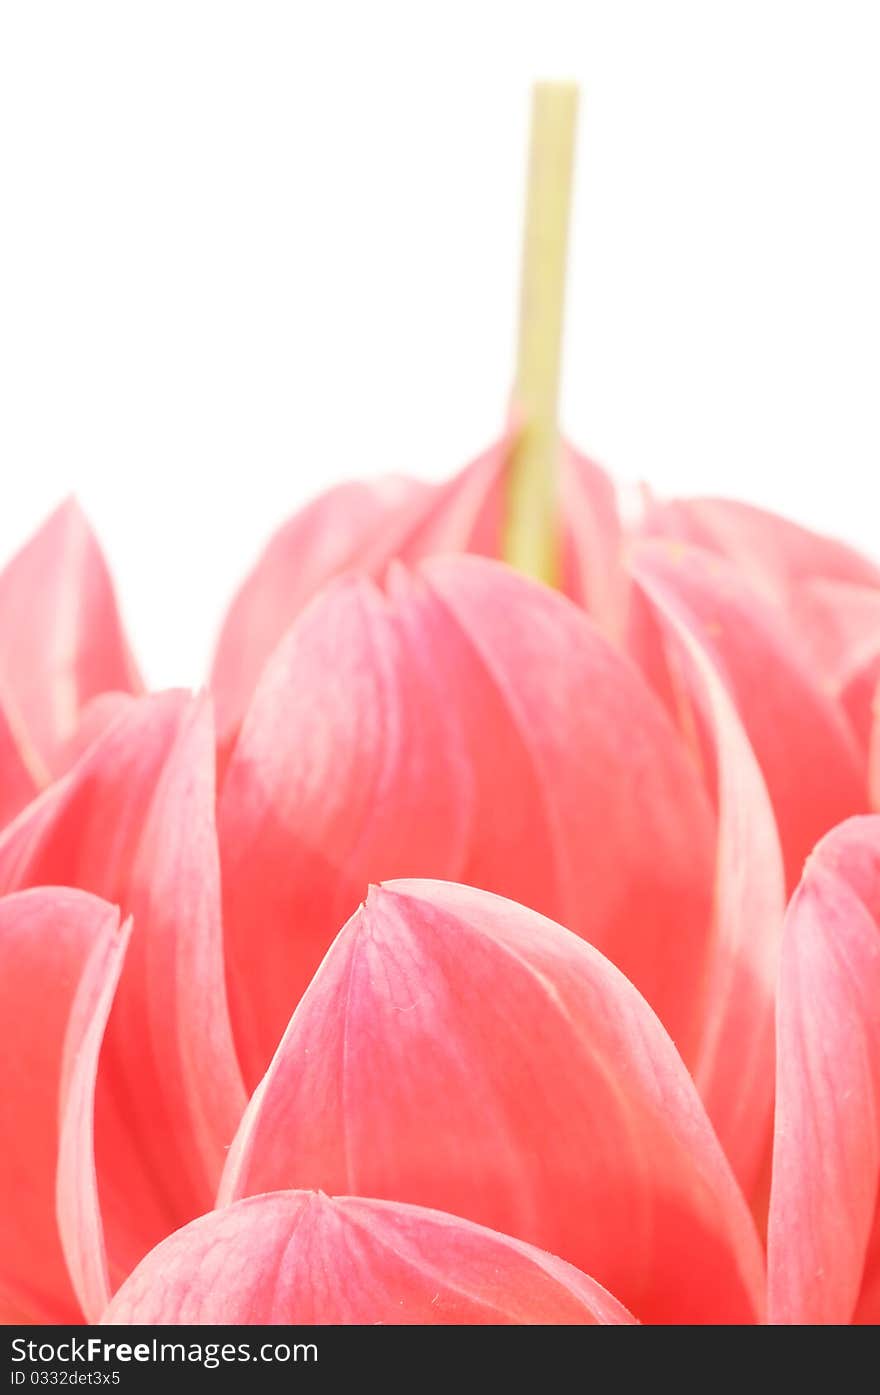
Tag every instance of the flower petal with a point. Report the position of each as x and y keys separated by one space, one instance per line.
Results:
x=84 y=829
x=826 y=1161
x=302 y=1258
x=78 y=1209
x=471 y=725
x=361 y=528
x=57 y=948
x=775 y=553
x=808 y=755
x=347 y=768
x=134 y=821
x=458 y=1051
x=61 y=638
x=857 y=697
x=21 y=771
x=97 y=717
x=587 y=807
x=465 y=515
x=840 y=623
x=329 y=536
x=169 y=1091
x=593 y=571
x=733 y=1063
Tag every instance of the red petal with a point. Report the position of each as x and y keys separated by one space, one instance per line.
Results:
x=134 y=822
x=300 y=1257
x=826 y=1161
x=456 y=1050
x=61 y=639
x=445 y=731
x=807 y=754
x=57 y=949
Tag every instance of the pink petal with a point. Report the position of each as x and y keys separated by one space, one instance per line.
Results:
x=361 y=528
x=84 y=829
x=347 y=768
x=773 y=552
x=587 y=808
x=57 y=949
x=61 y=639
x=733 y=1064
x=21 y=771
x=134 y=822
x=474 y=726
x=857 y=697
x=465 y=515
x=78 y=1209
x=807 y=754
x=96 y=718
x=593 y=571
x=328 y=537
x=169 y=1092
x=302 y=1258
x=826 y=1161
x=458 y=1051
x=840 y=623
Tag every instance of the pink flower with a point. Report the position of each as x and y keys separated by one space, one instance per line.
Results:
x=552 y=1065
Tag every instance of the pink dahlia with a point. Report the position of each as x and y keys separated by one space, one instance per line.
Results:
x=473 y=949
x=448 y=977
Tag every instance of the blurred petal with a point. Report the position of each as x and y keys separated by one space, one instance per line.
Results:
x=302 y=1258
x=58 y=948
x=841 y=624
x=329 y=536
x=361 y=528
x=858 y=696
x=21 y=771
x=773 y=552
x=471 y=725
x=826 y=1161
x=458 y=1051
x=97 y=717
x=465 y=515
x=61 y=638
x=134 y=821
x=807 y=754
x=593 y=572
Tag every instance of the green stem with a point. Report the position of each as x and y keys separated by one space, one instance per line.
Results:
x=531 y=541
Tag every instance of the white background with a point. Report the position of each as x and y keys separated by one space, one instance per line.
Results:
x=249 y=249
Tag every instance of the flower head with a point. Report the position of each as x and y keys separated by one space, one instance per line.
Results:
x=434 y=964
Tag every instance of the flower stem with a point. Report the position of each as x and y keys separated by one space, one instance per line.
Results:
x=531 y=541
